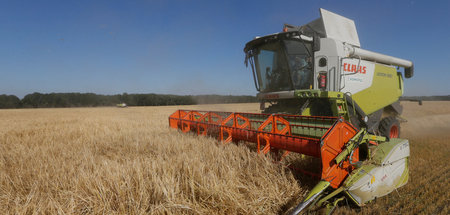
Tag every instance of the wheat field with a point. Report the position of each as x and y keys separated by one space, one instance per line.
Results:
x=128 y=161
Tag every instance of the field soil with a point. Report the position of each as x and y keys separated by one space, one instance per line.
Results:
x=128 y=161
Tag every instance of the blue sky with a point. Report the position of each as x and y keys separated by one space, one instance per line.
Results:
x=195 y=47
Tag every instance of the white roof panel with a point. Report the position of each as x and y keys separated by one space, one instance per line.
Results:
x=339 y=27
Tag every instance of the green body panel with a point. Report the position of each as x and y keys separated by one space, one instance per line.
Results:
x=405 y=176
x=317 y=94
x=384 y=149
x=356 y=175
x=372 y=167
x=320 y=187
x=359 y=173
x=336 y=99
x=386 y=88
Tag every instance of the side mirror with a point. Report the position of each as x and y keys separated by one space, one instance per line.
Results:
x=409 y=72
x=316 y=43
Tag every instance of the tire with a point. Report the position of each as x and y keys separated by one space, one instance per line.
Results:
x=389 y=127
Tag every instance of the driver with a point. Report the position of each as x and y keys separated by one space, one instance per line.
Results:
x=301 y=72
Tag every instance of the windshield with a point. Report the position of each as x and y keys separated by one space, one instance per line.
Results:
x=271 y=68
x=283 y=65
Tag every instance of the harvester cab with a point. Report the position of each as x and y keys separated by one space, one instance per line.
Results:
x=327 y=98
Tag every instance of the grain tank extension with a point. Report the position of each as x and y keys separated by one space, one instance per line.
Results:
x=324 y=96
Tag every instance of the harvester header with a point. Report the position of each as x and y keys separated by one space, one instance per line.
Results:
x=327 y=98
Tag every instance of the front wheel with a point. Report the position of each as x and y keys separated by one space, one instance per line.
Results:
x=390 y=127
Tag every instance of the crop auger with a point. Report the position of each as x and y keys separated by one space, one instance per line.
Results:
x=328 y=99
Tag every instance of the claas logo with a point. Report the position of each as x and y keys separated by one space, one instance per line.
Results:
x=353 y=68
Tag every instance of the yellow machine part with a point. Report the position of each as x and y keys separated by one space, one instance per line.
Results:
x=386 y=88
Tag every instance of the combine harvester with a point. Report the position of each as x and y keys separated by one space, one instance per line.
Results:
x=328 y=99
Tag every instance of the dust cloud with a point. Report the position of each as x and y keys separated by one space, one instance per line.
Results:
x=430 y=119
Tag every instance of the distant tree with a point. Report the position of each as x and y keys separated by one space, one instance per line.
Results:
x=427 y=98
x=32 y=100
x=9 y=101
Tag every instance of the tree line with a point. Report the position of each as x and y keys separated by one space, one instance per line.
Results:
x=425 y=98
x=50 y=100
